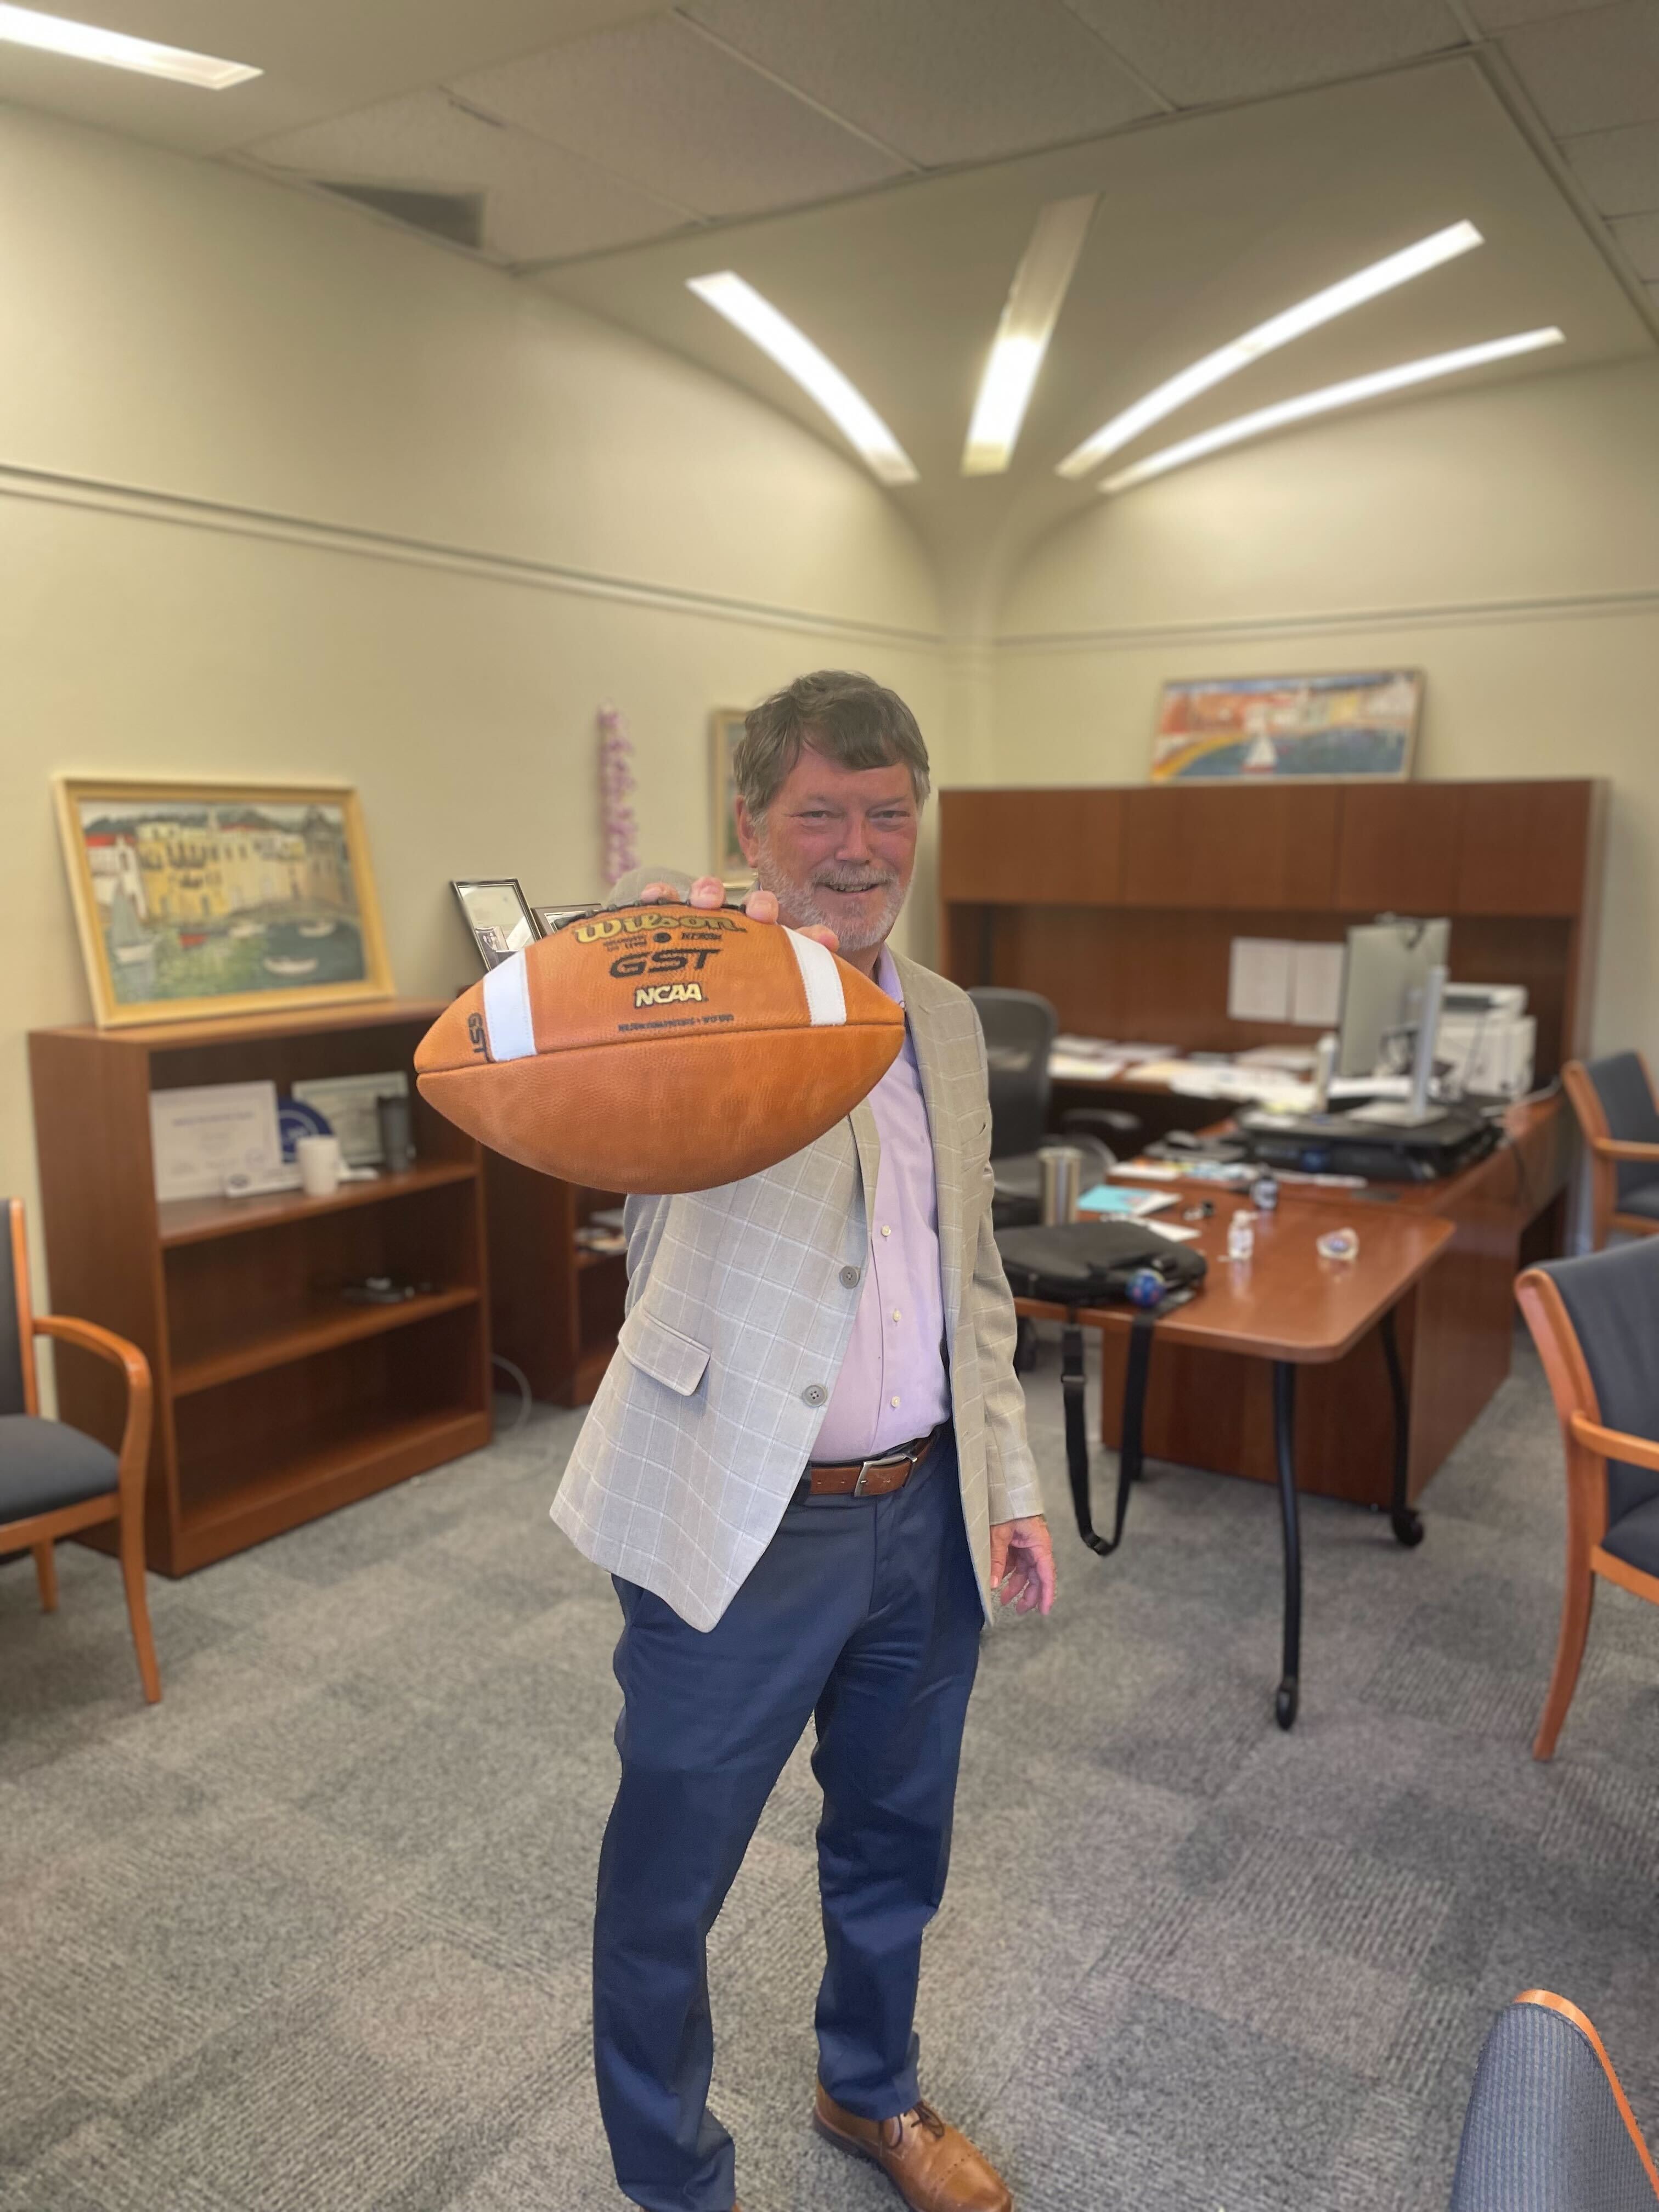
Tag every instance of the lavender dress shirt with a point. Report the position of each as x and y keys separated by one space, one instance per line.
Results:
x=893 y=1385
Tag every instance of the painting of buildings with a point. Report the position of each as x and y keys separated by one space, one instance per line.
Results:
x=1266 y=727
x=194 y=901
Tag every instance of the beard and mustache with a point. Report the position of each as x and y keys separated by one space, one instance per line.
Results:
x=803 y=904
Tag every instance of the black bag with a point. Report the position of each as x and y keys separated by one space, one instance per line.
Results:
x=1092 y=1263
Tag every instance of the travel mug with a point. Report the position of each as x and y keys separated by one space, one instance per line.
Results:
x=1062 y=1168
x=396 y=1140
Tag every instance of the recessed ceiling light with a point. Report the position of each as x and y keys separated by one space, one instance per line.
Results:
x=1350 y=394
x=1323 y=306
x=1035 y=299
x=89 y=42
x=816 y=374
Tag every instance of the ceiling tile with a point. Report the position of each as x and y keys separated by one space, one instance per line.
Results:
x=1619 y=169
x=657 y=103
x=1639 y=236
x=1592 y=71
x=943 y=81
x=1197 y=51
x=1503 y=15
x=539 y=201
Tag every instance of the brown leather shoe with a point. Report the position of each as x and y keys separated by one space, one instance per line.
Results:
x=932 y=2166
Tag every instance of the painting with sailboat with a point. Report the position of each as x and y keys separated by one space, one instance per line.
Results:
x=195 y=899
x=1263 y=728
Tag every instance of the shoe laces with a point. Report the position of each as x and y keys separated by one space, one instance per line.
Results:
x=926 y=2116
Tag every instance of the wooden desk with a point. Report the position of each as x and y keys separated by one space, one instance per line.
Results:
x=1285 y=1309
x=1456 y=1329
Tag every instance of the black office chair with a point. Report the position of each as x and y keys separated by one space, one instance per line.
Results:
x=1548 y=2128
x=1020 y=1027
x=1619 y=1118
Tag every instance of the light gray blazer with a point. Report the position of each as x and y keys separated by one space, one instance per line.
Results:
x=740 y=1303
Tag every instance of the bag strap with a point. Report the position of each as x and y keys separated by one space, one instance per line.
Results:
x=1129 y=1456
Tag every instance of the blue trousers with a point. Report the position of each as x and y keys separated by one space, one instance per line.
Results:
x=864 y=1615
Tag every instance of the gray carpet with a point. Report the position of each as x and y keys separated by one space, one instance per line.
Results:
x=312 y=1936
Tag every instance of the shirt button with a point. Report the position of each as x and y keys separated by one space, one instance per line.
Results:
x=892 y=1402
x=851 y=1276
x=886 y=1232
x=897 y=1315
x=814 y=1394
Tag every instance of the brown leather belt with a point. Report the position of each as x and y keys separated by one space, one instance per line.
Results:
x=870 y=1478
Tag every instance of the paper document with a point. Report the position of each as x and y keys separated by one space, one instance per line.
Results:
x=1316 y=985
x=1107 y=1199
x=1259 y=973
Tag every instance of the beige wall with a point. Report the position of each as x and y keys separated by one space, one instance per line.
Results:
x=1506 y=542
x=285 y=493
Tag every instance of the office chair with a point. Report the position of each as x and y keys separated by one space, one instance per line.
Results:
x=55 y=1481
x=1020 y=1030
x=1549 y=2128
x=1596 y=1321
x=1618 y=1116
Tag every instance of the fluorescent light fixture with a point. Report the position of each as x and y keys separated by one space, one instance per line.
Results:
x=1035 y=299
x=1215 y=367
x=1350 y=394
x=87 y=42
x=817 y=374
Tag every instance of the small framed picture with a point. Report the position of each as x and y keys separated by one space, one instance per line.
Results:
x=498 y=915
x=725 y=728
x=550 y=918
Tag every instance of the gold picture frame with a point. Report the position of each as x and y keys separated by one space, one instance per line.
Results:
x=201 y=898
x=726 y=727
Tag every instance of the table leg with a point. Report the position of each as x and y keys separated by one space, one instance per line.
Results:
x=1407 y=1525
x=1284 y=1441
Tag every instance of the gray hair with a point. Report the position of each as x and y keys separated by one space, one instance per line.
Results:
x=845 y=716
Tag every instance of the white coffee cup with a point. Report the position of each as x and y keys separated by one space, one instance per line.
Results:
x=319 y=1160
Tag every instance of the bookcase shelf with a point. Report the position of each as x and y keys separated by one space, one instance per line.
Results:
x=277 y=1399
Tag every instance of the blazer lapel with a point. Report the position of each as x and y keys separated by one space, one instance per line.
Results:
x=947 y=1156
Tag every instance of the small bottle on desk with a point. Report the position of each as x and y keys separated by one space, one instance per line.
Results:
x=1241 y=1235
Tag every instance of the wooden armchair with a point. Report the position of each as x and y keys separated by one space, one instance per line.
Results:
x=1596 y=1322
x=54 y=1480
x=1618 y=1116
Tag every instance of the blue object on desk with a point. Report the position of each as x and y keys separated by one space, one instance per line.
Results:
x=1110 y=1198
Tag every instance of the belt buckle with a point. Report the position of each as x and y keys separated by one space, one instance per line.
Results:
x=891 y=1459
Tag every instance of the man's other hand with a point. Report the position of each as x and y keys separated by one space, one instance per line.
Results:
x=759 y=905
x=1023 y=1564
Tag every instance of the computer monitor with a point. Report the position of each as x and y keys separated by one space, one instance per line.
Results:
x=1392 y=977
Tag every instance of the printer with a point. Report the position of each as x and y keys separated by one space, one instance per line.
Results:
x=1485 y=1040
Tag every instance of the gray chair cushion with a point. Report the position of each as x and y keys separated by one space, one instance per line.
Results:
x=12 y=1399
x=1612 y=1300
x=45 y=1465
x=1635 y=1537
x=1542 y=2132
x=1643 y=1198
x=1627 y=1101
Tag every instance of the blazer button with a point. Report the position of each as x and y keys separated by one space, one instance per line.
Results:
x=815 y=1394
x=852 y=1276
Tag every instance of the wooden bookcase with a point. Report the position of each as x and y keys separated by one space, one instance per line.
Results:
x=555 y=1308
x=276 y=1399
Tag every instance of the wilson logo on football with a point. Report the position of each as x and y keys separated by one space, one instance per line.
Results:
x=666 y=994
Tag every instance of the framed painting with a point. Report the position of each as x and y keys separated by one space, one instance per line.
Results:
x=726 y=727
x=198 y=899
x=1250 y=729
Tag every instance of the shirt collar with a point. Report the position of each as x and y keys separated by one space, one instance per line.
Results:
x=887 y=977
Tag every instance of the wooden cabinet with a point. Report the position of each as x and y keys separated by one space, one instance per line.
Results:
x=555 y=1308
x=1271 y=846
x=276 y=1399
x=1028 y=899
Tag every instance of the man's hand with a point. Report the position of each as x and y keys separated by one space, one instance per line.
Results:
x=759 y=905
x=1023 y=1564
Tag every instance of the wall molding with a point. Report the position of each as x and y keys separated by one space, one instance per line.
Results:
x=1565 y=607
x=140 y=502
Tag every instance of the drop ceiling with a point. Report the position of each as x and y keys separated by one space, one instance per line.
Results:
x=874 y=166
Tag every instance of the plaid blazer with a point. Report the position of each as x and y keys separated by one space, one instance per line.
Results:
x=738 y=1322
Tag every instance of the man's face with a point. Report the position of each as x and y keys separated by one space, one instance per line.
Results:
x=836 y=846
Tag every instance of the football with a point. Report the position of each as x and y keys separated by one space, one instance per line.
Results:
x=660 y=1048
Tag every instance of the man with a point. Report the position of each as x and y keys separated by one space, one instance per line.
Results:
x=807 y=1472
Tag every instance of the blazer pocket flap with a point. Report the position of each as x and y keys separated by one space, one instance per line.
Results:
x=662 y=1352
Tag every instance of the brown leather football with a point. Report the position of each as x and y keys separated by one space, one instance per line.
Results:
x=660 y=1048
